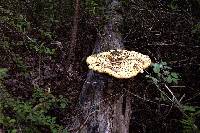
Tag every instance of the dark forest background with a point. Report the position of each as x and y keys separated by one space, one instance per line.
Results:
x=38 y=93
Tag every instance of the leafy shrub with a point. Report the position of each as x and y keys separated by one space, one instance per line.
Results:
x=19 y=24
x=162 y=74
x=3 y=72
x=196 y=31
x=17 y=115
x=94 y=7
x=189 y=120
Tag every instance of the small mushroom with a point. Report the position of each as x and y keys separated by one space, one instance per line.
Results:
x=119 y=63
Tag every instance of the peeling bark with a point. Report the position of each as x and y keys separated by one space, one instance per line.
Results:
x=101 y=115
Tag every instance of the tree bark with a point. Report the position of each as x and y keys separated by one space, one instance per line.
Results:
x=72 y=46
x=102 y=115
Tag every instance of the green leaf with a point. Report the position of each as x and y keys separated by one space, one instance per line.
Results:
x=169 y=79
x=175 y=80
x=164 y=63
x=42 y=100
x=175 y=75
x=64 y=131
x=54 y=130
x=63 y=105
x=12 y=121
x=156 y=68
x=189 y=108
x=3 y=72
x=166 y=72
x=14 y=131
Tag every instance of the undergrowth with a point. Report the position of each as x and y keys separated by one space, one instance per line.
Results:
x=30 y=116
x=162 y=76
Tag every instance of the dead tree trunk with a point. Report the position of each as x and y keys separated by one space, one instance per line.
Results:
x=73 y=44
x=102 y=115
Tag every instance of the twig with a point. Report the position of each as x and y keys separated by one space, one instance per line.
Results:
x=144 y=99
x=173 y=96
x=172 y=44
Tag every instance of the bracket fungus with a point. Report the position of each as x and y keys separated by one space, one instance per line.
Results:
x=119 y=63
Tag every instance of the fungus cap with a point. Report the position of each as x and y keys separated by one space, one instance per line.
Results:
x=119 y=63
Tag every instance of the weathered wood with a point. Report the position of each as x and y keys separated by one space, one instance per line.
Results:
x=72 y=46
x=102 y=115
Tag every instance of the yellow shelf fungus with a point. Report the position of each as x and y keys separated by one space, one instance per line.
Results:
x=119 y=63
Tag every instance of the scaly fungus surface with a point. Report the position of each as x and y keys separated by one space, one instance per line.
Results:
x=119 y=63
